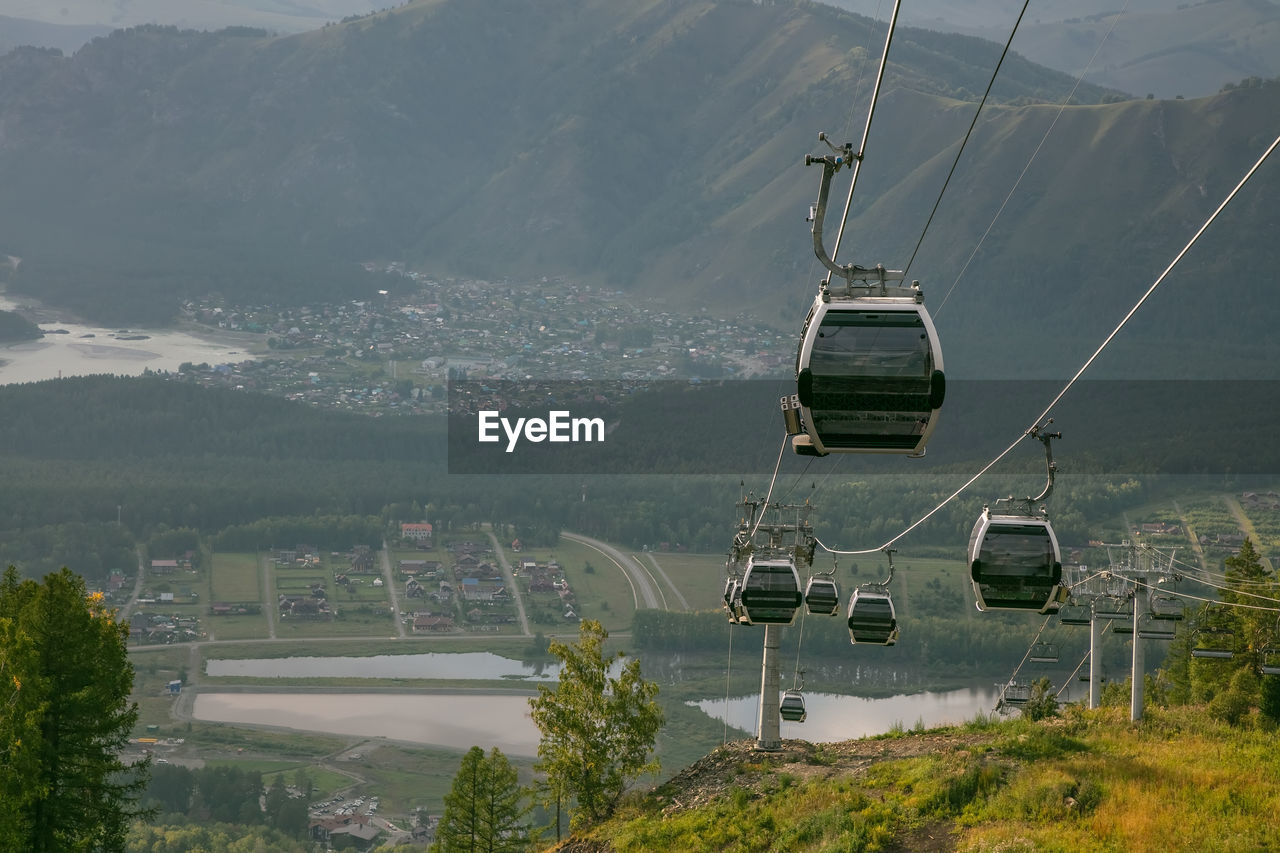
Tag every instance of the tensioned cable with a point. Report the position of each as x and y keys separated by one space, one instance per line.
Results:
x=1194 y=572
x=1088 y=362
x=1072 y=677
x=1083 y=581
x=866 y=131
x=795 y=673
x=728 y=675
x=1275 y=601
x=797 y=480
x=965 y=141
x=769 y=494
x=1034 y=640
x=857 y=87
x=1061 y=109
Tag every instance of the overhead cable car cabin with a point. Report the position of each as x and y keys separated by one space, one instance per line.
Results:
x=770 y=592
x=868 y=375
x=822 y=596
x=869 y=368
x=872 y=618
x=791 y=708
x=1015 y=563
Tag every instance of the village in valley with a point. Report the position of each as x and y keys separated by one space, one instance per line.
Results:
x=394 y=354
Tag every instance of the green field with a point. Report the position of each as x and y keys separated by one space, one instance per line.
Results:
x=236 y=577
x=699 y=577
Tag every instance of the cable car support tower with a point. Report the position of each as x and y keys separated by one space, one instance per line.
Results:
x=1122 y=593
x=770 y=534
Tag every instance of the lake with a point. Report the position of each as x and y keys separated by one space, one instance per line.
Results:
x=86 y=350
x=451 y=719
x=459 y=720
x=833 y=717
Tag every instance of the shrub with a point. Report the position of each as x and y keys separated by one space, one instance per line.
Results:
x=1230 y=706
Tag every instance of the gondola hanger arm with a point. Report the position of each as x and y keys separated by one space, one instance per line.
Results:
x=832 y=163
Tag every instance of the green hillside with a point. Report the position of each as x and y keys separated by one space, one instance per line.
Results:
x=1088 y=781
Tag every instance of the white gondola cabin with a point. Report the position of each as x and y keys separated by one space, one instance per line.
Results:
x=871 y=617
x=791 y=708
x=1015 y=563
x=822 y=596
x=868 y=376
x=770 y=592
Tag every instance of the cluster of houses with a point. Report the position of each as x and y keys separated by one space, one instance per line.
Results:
x=156 y=628
x=549 y=577
x=473 y=585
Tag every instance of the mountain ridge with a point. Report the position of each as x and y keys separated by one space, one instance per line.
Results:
x=659 y=150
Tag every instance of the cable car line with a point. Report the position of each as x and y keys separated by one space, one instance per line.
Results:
x=1193 y=570
x=866 y=131
x=1087 y=364
x=728 y=675
x=769 y=494
x=1061 y=109
x=1072 y=677
x=1027 y=656
x=1241 y=605
x=965 y=141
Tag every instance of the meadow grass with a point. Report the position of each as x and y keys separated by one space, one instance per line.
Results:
x=236 y=577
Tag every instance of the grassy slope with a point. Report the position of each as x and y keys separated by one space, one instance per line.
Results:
x=1089 y=781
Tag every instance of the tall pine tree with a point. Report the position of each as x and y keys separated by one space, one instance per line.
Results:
x=483 y=812
x=66 y=719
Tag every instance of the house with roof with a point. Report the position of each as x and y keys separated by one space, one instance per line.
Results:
x=419 y=532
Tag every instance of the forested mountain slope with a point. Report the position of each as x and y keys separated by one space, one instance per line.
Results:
x=659 y=149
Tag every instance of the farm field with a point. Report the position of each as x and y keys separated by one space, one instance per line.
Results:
x=236 y=580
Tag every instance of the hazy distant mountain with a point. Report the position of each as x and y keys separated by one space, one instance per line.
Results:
x=93 y=17
x=1156 y=47
x=65 y=37
x=659 y=148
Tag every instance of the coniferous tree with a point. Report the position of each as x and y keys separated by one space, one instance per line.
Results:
x=483 y=810
x=67 y=720
x=597 y=730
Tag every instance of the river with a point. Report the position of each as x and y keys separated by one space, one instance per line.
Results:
x=74 y=349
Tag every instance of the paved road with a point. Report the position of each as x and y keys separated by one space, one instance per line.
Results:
x=643 y=586
x=511 y=583
x=385 y=556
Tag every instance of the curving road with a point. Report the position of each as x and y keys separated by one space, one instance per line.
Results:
x=643 y=586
